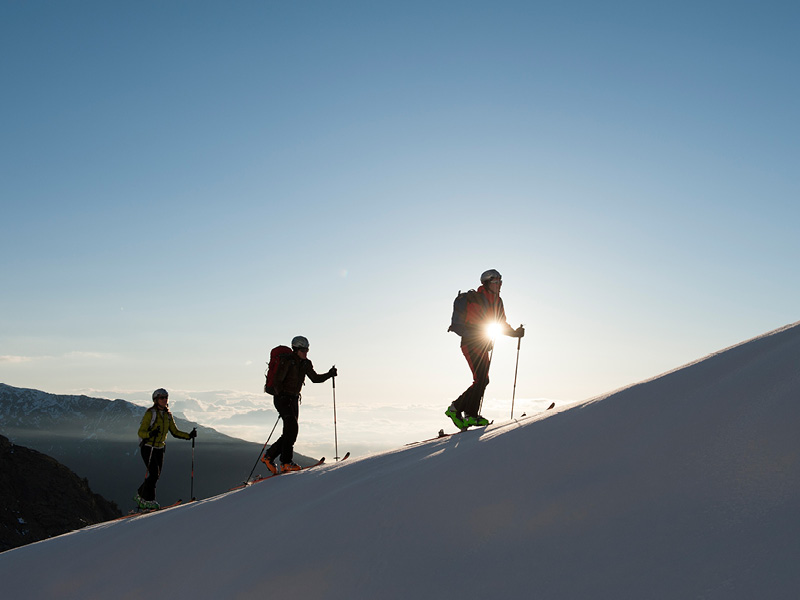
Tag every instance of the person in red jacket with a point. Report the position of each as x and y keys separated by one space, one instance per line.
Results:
x=484 y=308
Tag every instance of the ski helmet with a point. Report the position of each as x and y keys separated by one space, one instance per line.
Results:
x=160 y=393
x=487 y=276
x=299 y=343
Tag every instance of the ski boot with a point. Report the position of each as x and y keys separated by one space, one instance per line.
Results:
x=455 y=416
x=270 y=465
x=289 y=467
x=478 y=421
x=143 y=504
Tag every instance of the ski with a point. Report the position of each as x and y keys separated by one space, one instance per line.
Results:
x=553 y=405
x=344 y=457
x=271 y=475
x=467 y=428
x=258 y=479
x=136 y=512
x=442 y=434
x=316 y=464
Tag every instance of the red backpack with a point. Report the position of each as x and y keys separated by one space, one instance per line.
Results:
x=272 y=367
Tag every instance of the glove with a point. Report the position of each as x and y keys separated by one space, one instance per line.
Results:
x=155 y=432
x=333 y=372
x=193 y=433
x=519 y=332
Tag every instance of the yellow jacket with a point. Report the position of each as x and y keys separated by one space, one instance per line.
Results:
x=154 y=427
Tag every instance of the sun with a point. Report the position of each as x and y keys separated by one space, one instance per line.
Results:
x=493 y=330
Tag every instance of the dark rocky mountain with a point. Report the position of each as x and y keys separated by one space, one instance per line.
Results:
x=97 y=439
x=41 y=498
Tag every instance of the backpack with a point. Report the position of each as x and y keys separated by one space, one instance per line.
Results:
x=272 y=367
x=458 y=320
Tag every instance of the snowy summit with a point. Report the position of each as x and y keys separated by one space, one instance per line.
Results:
x=683 y=486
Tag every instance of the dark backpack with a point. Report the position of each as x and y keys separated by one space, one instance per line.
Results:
x=272 y=367
x=459 y=318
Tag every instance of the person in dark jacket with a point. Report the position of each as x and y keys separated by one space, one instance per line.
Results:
x=484 y=309
x=156 y=422
x=289 y=380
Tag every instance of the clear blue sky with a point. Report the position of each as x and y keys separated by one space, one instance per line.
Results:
x=187 y=184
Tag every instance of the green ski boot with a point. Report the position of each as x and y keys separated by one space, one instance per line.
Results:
x=455 y=416
x=478 y=421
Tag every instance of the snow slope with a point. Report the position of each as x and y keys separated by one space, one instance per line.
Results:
x=684 y=486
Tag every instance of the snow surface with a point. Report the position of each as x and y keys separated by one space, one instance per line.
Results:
x=684 y=486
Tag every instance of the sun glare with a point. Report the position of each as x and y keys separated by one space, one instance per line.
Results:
x=493 y=330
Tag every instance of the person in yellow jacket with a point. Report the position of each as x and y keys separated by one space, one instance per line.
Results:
x=156 y=422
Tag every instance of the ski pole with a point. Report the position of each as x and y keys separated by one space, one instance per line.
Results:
x=335 y=432
x=191 y=488
x=262 y=449
x=516 y=368
x=150 y=458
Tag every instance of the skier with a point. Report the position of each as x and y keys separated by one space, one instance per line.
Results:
x=289 y=380
x=483 y=308
x=156 y=422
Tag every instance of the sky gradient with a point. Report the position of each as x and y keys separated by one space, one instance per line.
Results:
x=186 y=185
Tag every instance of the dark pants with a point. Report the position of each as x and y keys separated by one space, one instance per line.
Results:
x=477 y=356
x=288 y=407
x=154 y=459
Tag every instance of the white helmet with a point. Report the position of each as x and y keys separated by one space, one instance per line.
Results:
x=299 y=343
x=487 y=276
